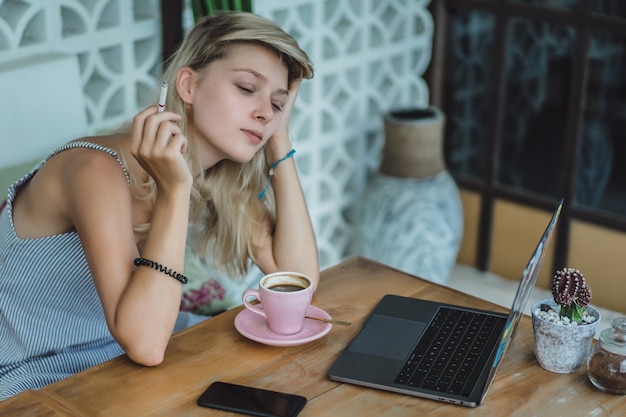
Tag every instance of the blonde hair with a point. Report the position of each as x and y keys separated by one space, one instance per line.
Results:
x=226 y=216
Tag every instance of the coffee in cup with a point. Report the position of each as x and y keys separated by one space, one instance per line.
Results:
x=284 y=298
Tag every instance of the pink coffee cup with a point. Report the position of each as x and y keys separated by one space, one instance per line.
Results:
x=284 y=298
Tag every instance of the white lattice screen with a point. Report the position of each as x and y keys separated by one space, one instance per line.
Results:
x=370 y=56
x=118 y=43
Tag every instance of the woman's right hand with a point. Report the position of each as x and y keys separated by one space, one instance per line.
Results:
x=158 y=144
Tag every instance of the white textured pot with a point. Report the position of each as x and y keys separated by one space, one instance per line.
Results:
x=560 y=348
x=411 y=216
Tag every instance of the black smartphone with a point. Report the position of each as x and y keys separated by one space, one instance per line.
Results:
x=251 y=401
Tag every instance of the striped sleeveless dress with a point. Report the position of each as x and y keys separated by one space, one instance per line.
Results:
x=52 y=324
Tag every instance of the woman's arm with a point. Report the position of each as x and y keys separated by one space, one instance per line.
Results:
x=293 y=246
x=140 y=304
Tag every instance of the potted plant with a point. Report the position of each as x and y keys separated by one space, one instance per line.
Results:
x=565 y=325
x=201 y=8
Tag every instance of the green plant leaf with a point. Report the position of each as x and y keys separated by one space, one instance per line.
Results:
x=201 y=8
x=574 y=312
x=577 y=313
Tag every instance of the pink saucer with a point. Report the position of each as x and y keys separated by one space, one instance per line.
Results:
x=254 y=327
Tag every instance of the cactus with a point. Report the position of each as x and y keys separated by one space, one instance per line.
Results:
x=571 y=293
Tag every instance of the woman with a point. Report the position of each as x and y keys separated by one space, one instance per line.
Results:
x=92 y=242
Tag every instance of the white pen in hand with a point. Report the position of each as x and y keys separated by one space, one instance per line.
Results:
x=162 y=97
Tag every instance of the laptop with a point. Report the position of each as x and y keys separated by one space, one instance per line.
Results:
x=433 y=350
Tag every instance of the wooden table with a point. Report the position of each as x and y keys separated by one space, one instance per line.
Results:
x=214 y=350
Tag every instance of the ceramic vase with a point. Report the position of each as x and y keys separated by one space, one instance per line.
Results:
x=561 y=348
x=410 y=216
x=413 y=146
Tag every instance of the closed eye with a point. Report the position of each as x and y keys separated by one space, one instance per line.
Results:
x=248 y=90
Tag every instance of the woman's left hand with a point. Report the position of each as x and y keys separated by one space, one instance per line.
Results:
x=280 y=143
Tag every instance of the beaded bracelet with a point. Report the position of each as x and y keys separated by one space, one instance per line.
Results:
x=272 y=167
x=147 y=262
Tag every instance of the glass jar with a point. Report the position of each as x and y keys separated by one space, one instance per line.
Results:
x=606 y=365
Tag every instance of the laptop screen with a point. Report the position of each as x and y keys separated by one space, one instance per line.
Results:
x=527 y=283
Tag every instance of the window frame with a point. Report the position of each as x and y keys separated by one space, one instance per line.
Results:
x=490 y=190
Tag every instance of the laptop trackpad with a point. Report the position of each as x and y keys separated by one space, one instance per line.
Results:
x=389 y=337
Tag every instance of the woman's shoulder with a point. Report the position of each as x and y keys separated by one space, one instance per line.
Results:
x=94 y=179
x=72 y=177
x=81 y=169
x=91 y=157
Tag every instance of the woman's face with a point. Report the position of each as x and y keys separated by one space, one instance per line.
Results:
x=237 y=103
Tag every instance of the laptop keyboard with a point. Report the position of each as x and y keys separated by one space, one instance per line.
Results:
x=451 y=355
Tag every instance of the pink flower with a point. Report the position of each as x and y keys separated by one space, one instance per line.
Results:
x=201 y=298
